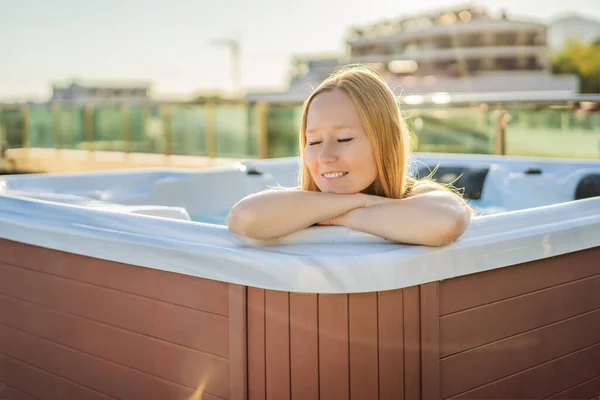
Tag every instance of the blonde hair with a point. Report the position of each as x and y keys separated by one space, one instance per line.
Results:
x=385 y=128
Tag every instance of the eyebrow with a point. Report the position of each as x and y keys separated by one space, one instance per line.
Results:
x=335 y=127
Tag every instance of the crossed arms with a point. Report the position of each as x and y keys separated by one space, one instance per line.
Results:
x=432 y=218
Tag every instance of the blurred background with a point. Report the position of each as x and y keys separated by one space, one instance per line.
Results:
x=195 y=83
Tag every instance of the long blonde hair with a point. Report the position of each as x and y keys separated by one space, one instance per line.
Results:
x=383 y=123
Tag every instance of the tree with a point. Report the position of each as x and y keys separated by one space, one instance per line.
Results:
x=581 y=59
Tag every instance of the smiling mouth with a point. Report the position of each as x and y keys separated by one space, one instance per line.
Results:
x=334 y=175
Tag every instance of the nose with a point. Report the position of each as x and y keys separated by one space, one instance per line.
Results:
x=328 y=154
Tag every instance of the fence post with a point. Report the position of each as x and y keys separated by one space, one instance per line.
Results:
x=56 y=125
x=210 y=129
x=89 y=126
x=147 y=117
x=262 y=109
x=165 y=113
x=501 y=124
x=69 y=126
x=126 y=120
x=2 y=149
x=25 y=115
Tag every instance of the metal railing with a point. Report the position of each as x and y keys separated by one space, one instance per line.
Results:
x=554 y=127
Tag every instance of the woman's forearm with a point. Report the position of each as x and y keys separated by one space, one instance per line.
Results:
x=275 y=213
x=431 y=219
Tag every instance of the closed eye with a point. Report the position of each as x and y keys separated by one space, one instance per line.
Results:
x=339 y=140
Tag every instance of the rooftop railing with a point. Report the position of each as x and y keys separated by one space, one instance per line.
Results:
x=550 y=126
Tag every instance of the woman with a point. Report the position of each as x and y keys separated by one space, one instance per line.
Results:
x=354 y=148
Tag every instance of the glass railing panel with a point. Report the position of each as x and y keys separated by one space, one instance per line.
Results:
x=188 y=130
x=72 y=127
x=41 y=131
x=235 y=130
x=553 y=132
x=12 y=124
x=108 y=129
x=283 y=127
x=451 y=130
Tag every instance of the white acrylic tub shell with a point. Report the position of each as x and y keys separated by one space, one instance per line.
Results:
x=105 y=215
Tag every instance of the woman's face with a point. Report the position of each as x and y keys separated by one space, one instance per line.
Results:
x=338 y=152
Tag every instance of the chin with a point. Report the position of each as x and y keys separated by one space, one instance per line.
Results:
x=337 y=190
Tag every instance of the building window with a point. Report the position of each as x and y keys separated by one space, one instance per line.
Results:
x=429 y=45
x=539 y=39
x=532 y=39
x=473 y=65
x=505 y=39
x=411 y=48
x=506 y=63
x=384 y=49
x=532 y=63
x=364 y=50
x=471 y=40
x=444 y=42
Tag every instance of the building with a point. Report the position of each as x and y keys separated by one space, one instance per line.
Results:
x=307 y=72
x=77 y=93
x=458 y=50
x=572 y=27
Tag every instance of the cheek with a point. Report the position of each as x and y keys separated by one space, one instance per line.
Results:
x=310 y=159
x=308 y=154
x=368 y=164
x=364 y=157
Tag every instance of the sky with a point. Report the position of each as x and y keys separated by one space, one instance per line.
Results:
x=168 y=43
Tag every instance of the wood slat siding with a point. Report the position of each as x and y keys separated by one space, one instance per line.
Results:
x=587 y=390
x=544 y=380
x=75 y=327
x=86 y=328
x=519 y=352
x=334 y=362
x=334 y=346
x=8 y=393
x=114 y=344
x=257 y=380
x=304 y=346
x=210 y=296
x=89 y=371
x=391 y=345
x=43 y=385
x=364 y=382
x=412 y=342
x=238 y=372
x=470 y=291
x=491 y=322
x=524 y=331
x=277 y=339
x=150 y=317
x=430 y=341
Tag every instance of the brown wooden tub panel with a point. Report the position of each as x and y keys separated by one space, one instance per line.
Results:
x=77 y=327
x=334 y=346
x=97 y=329
x=525 y=331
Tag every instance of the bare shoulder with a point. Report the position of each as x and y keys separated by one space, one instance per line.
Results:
x=424 y=187
x=284 y=188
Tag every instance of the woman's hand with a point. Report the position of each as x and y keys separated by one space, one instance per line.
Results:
x=368 y=200
x=372 y=200
x=335 y=221
x=434 y=219
x=266 y=215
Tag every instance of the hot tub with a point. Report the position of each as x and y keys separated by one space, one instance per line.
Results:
x=128 y=285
